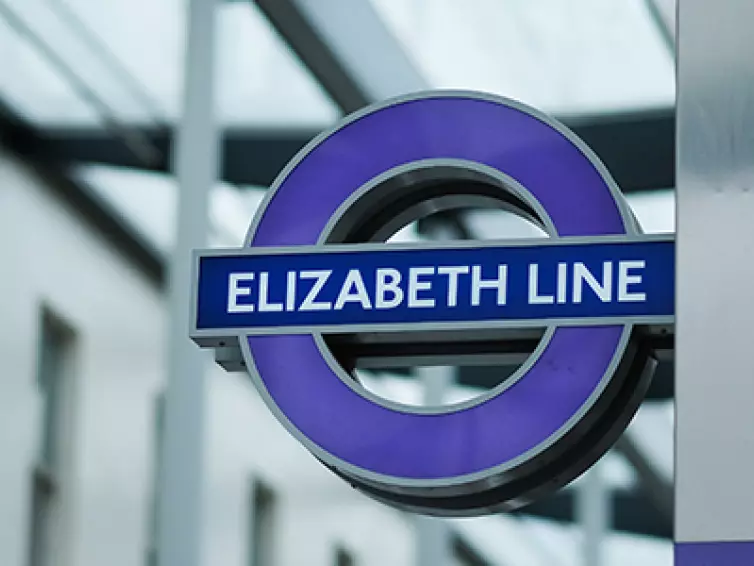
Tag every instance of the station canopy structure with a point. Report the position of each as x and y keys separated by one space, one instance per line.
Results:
x=91 y=94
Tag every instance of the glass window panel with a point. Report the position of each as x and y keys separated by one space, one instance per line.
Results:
x=54 y=375
x=147 y=39
x=78 y=55
x=260 y=80
x=32 y=86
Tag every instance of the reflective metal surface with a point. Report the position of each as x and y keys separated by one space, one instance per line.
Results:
x=714 y=379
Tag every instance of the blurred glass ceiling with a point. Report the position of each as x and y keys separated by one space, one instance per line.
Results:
x=566 y=57
x=129 y=55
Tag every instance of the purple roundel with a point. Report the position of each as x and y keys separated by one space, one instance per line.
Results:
x=350 y=431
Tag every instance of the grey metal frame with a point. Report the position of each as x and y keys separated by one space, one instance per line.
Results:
x=714 y=498
x=350 y=51
x=196 y=162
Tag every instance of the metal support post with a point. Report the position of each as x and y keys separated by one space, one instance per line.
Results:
x=663 y=13
x=196 y=165
x=593 y=508
x=714 y=497
x=433 y=536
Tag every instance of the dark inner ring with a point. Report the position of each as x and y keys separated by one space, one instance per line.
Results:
x=390 y=206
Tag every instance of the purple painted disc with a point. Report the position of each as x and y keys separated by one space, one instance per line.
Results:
x=399 y=446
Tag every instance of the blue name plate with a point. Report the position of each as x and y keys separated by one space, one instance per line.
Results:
x=372 y=287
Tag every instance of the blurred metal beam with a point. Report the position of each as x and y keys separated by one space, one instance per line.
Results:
x=99 y=47
x=466 y=554
x=249 y=156
x=348 y=49
x=17 y=138
x=130 y=138
x=638 y=149
x=358 y=61
x=663 y=14
x=487 y=377
x=657 y=487
x=632 y=512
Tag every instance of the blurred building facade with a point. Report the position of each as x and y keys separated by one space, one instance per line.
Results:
x=80 y=398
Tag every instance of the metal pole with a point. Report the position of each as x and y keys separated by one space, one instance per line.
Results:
x=593 y=509
x=196 y=164
x=663 y=14
x=434 y=543
x=714 y=498
x=433 y=535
